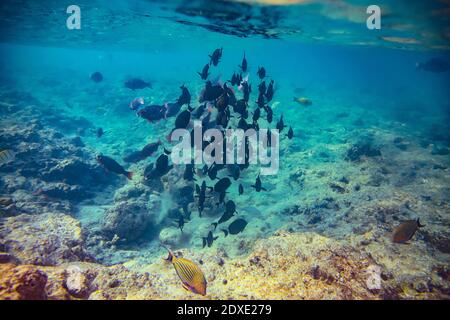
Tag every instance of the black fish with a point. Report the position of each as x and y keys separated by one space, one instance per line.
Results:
x=241 y=189
x=244 y=64
x=188 y=174
x=261 y=72
x=262 y=88
x=434 y=65
x=290 y=133
x=144 y=153
x=241 y=108
x=247 y=89
x=96 y=77
x=230 y=206
x=212 y=172
x=215 y=57
x=269 y=93
x=185 y=97
x=153 y=112
x=280 y=124
x=258 y=185
x=136 y=83
x=209 y=239
x=201 y=193
x=112 y=166
x=199 y=111
x=204 y=74
x=100 y=132
x=162 y=164
x=183 y=119
x=234 y=171
x=210 y=92
x=256 y=115
x=269 y=114
x=222 y=185
x=235 y=227
x=181 y=222
x=235 y=80
x=261 y=101
x=172 y=109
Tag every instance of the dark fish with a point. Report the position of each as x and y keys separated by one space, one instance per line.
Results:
x=144 y=153
x=261 y=72
x=185 y=97
x=269 y=114
x=258 y=185
x=188 y=174
x=136 y=83
x=261 y=101
x=112 y=166
x=181 y=222
x=212 y=172
x=241 y=189
x=256 y=115
x=222 y=185
x=209 y=239
x=262 y=88
x=247 y=89
x=235 y=80
x=100 y=132
x=204 y=74
x=199 y=111
x=210 y=92
x=290 y=133
x=235 y=227
x=96 y=77
x=183 y=120
x=270 y=92
x=434 y=65
x=215 y=57
x=405 y=231
x=230 y=209
x=153 y=112
x=190 y=274
x=234 y=171
x=241 y=108
x=280 y=124
x=172 y=109
x=201 y=191
x=230 y=206
x=244 y=64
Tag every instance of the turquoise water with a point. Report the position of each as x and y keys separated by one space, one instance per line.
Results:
x=363 y=84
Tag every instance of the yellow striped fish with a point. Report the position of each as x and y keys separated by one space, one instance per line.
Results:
x=190 y=274
x=6 y=156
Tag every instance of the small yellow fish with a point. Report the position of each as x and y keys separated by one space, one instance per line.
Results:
x=304 y=101
x=190 y=274
x=6 y=156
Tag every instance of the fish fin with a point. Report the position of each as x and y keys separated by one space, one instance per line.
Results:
x=262 y=188
x=170 y=256
x=215 y=238
x=167 y=151
x=204 y=242
x=225 y=231
x=214 y=224
x=129 y=175
x=418 y=223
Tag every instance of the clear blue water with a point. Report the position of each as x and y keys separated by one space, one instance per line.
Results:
x=363 y=84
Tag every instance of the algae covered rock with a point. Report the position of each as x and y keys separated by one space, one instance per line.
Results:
x=22 y=283
x=46 y=239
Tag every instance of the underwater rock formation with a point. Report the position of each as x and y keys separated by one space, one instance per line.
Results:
x=285 y=266
x=46 y=239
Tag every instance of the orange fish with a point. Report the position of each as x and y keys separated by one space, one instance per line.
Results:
x=190 y=274
x=405 y=231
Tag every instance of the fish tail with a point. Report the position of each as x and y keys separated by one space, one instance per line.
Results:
x=204 y=242
x=170 y=256
x=225 y=231
x=214 y=224
x=419 y=225
x=129 y=175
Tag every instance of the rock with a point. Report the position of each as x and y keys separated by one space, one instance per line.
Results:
x=173 y=237
x=128 y=220
x=77 y=282
x=22 y=283
x=362 y=149
x=46 y=239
